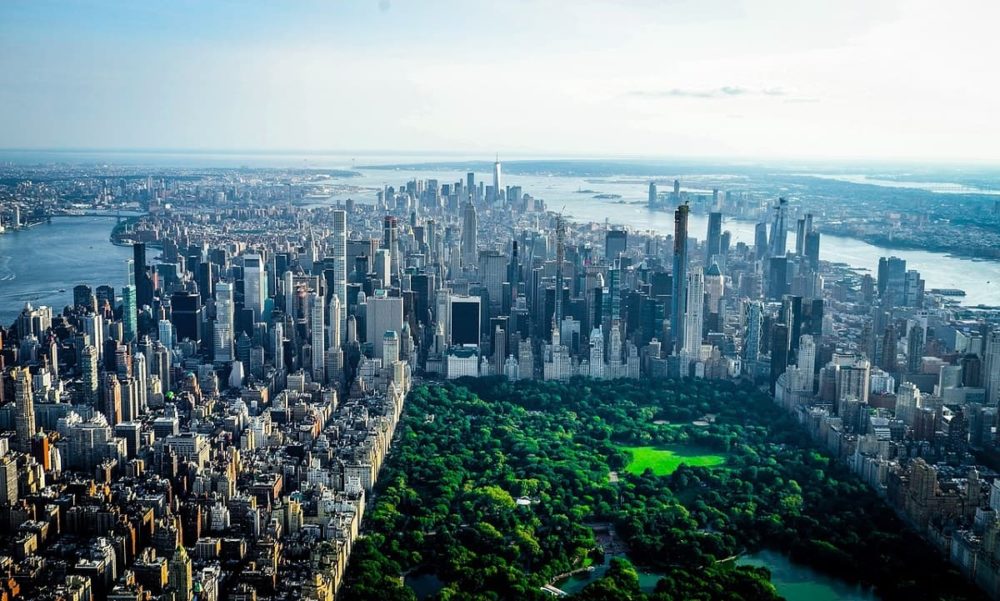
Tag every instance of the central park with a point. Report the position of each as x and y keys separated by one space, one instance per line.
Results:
x=620 y=490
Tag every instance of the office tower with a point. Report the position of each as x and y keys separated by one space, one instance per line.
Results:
x=497 y=182
x=470 y=233
x=615 y=243
x=24 y=408
x=777 y=277
x=179 y=575
x=713 y=242
x=83 y=296
x=991 y=367
x=652 y=194
x=278 y=346
x=891 y=281
x=254 y=286
x=130 y=314
x=677 y=189
x=222 y=338
x=760 y=240
x=89 y=375
x=185 y=315
x=390 y=242
x=778 y=243
x=318 y=335
x=693 y=314
x=165 y=332
x=812 y=250
x=464 y=320
x=679 y=293
x=383 y=267
x=206 y=280
x=143 y=283
x=493 y=273
x=384 y=313
x=470 y=185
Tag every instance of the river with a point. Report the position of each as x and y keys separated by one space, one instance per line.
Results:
x=41 y=264
x=980 y=279
x=36 y=263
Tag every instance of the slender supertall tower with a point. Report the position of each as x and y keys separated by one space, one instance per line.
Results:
x=340 y=264
x=679 y=292
x=560 y=257
x=318 y=336
x=497 y=190
x=130 y=312
x=470 y=239
x=778 y=244
x=24 y=407
x=333 y=336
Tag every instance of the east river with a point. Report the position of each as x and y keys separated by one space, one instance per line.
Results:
x=42 y=264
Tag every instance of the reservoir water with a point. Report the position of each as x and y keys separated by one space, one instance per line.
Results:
x=799 y=583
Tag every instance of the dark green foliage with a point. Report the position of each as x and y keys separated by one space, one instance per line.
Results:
x=447 y=500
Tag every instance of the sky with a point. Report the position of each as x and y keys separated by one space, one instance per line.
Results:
x=754 y=79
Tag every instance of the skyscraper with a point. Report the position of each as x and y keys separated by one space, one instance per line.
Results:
x=317 y=336
x=384 y=313
x=130 y=315
x=89 y=375
x=340 y=264
x=679 y=292
x=254 y=285
x=497 y=181
x=390 y=242
x=778 y=243
x=652 y=194
x=179 y=575
x=713 y=242
x=222 y=338
x=24 y=408
x=693 y=314
x=143 y=283
x=470 y=235
x=615 y=243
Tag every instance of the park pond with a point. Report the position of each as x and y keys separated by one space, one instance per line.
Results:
x=796 y=582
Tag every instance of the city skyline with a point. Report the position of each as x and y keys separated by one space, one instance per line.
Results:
x=726 y=79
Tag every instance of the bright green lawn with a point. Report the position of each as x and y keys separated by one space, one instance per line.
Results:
x=664 y=461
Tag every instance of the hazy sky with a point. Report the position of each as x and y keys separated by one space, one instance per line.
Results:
x=732 y=78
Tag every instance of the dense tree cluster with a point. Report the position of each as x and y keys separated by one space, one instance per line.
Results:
x=491 y=485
